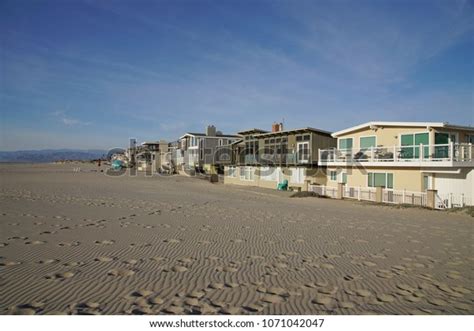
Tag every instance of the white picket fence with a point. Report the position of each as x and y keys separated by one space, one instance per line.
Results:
x=359 y=193
x=404 y=197
x=327 y=191
x=443 y=201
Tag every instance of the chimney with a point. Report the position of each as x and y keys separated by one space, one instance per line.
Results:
x=277 y=127
x=211 y=131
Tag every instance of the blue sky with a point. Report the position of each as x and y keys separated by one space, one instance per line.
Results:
x=91 y=74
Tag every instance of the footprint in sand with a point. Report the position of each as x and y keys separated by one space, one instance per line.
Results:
x=363 y=293
x=385 y=298
x=230 y=310
x=17 y=238
x=156 y=300
x=179 y=268
x=322 y=300
x=47 y=261
x=121 y=272
x=8 y=263
x=142 y=293
x=31 y=308
x=35 y=242
x=185 y=260
x=61 y=275
x=131 y=261
x=196 y=294
x=254 y=308
x=327 y=266
x=216 y=286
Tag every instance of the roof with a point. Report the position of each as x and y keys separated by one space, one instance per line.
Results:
x=254 y=130
x=205 y=135
x=286 y=132
x=402 y=124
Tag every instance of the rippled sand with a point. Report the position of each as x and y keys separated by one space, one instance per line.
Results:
x=85 y=243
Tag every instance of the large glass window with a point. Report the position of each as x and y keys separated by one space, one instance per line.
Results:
x=375 y=179
x=367 y=142
x=442 y=145
x=412 y=142
x=345 y=143
x=333 y=175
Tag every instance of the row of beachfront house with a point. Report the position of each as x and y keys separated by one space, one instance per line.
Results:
x=398 y=156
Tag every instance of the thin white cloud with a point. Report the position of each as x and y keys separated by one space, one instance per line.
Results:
x=67 y=120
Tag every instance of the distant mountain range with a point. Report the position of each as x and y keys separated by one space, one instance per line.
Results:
x=51 y=155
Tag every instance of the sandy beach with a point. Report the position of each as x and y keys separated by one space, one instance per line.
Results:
x=81 y=242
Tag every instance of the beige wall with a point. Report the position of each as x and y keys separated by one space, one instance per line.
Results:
x=410 y=179
x=260 y=182
x=390 y=136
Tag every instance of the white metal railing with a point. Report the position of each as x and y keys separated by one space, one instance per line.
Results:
x=413 y=153
x=404 y=197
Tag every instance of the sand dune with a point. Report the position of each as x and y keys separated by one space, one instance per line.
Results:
x=84 y=243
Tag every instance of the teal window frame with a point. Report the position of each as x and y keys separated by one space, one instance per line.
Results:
x=412 y=141
x=367 y=142
x=344 y=143
x=384 y=179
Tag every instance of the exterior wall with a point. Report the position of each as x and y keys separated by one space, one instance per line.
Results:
x=403 y=179
x=260 y=178
x=462 y=183
x=321 y=142
x=390 y=136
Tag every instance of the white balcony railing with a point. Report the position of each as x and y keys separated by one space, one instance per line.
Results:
x=414 y=153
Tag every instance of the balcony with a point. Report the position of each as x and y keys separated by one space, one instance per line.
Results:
x=274 y=159
x=442 y=155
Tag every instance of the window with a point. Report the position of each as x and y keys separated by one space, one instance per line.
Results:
x=303 y=152
x=345 y=143
x=231 y=172
x=344 y=177
x=272 y=141
x=299 y=138
x=278 y=140
x=306 y=137
x=246 y=173
x=375 y=179
x=333 y=175
x=412 y=141
x=367 y=142
x=470 y=138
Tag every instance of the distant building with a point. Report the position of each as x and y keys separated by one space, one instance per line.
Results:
x=263 y=158
x=197 y=151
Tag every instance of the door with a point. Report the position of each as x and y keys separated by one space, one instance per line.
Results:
x=303 y=152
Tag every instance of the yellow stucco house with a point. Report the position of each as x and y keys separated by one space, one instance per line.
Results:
x=409 y=156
